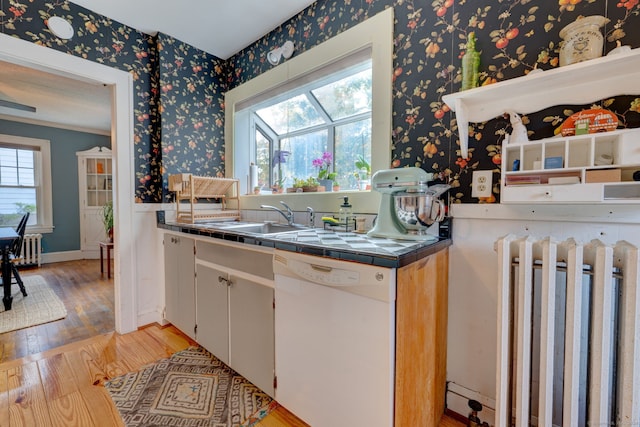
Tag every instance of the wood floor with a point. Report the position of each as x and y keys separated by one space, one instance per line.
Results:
x=56 y=378
x=88 y=298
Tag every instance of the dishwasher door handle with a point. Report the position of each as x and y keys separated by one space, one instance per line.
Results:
x=322 y=268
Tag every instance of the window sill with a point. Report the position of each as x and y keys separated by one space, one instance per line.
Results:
x=43 y=229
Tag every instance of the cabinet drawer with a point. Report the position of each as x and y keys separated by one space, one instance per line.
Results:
x=575 y=193
x=257 y=263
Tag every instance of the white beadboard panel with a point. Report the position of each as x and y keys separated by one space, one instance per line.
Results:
x=473 y=275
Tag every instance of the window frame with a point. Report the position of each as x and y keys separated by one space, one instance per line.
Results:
x=376 y=34
x=258 y=124
x=44 y=198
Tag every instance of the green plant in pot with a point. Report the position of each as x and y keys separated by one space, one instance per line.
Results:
x=106 y=215
x=363 y=173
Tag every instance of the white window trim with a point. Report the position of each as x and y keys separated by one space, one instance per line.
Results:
x=375 y=33
x=43 y=180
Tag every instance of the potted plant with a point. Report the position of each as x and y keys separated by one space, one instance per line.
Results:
x=363 y=173
x=298 y=184
x=278 y=186
x=336 y=186
x=325 y=178
x=106 y=215
x=311 y=184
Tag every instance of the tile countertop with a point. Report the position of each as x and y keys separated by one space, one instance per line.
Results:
x=348 y=246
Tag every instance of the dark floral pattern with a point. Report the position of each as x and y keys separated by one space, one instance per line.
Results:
x=191 y=110
x=179 y=90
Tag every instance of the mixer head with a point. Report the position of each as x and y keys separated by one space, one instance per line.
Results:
x=389 y=181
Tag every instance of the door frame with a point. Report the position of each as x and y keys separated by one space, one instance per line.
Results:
x=28 y=54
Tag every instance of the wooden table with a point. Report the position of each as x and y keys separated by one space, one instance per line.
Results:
x=108 y=246
x=7 y=236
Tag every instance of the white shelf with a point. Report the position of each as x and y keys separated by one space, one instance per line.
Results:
x=579 y=83
x=524 y=180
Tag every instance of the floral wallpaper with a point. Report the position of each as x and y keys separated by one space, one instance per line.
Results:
x=178 y=90
x=191 y=110
x=179 y=108
x=514 y=37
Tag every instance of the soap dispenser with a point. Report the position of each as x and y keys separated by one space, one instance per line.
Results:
x=344 y=214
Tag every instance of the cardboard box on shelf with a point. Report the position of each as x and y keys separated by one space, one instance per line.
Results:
x=603 y=175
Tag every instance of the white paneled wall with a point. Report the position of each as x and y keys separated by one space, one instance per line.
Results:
x=473 y=274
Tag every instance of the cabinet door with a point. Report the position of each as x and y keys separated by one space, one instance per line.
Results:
x=251 y=325
x=212 y=311
x=179 y=262
x=94 y=189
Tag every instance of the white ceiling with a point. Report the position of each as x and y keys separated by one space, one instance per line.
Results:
x=59 y=101
x=219 y=27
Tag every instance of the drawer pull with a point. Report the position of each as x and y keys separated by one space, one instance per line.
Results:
x=224 y=280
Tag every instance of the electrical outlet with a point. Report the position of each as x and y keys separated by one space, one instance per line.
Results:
x=482 y=184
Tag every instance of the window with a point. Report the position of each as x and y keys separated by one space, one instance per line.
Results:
x=331 y=115
x=25 y=182
x=371 y=40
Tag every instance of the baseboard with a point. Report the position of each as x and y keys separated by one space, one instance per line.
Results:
x=150 y=317
x=50 y=257
x=458 y=397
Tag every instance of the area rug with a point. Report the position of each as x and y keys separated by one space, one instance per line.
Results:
x=41 y=305
x=191 y=388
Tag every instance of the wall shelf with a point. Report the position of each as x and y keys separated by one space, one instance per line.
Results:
x=592 y=168
x=579 y=83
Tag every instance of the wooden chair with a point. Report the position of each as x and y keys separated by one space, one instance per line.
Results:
x=16 y=252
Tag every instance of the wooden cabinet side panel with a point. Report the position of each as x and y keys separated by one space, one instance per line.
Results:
x=421 y=341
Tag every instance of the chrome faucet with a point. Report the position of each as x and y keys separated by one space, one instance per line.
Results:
x=312 y=217
x=288 y=215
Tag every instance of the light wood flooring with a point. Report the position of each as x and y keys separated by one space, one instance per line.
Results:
x=56 y=377
x=88 y=297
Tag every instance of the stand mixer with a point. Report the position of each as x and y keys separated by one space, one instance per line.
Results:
x=408 y=205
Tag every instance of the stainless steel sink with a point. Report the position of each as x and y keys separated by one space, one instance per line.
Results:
x=266 y=228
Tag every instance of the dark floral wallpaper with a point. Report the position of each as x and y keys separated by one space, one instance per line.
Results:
x=179 y=90
x=514 y=37
x=191 y=110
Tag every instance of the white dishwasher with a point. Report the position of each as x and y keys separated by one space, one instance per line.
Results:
x=334 y=340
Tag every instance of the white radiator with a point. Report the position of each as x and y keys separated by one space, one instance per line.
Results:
x=568 y=333
x=31 y=250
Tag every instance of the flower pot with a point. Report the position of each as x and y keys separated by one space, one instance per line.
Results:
x=326 y=183
x=364 y=184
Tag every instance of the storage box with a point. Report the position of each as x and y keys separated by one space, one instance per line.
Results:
x=603 y=175
x=553 y=162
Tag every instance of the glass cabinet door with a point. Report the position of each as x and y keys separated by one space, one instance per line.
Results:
x=99 y=181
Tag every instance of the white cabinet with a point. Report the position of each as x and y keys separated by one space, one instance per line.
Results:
x=251 y=329
x=179 y=282
x=592 y=168
x=95 y=189
x=212 y=306
x=235 y=309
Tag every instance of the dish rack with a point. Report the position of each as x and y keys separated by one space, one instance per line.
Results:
x=191 y=188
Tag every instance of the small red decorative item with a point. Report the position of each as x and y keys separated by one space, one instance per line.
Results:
x=589 y=121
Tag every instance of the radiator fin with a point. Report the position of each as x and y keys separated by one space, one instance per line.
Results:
x=31 y=250
x=568 y=333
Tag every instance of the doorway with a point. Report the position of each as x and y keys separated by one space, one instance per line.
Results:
x=30 y=55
